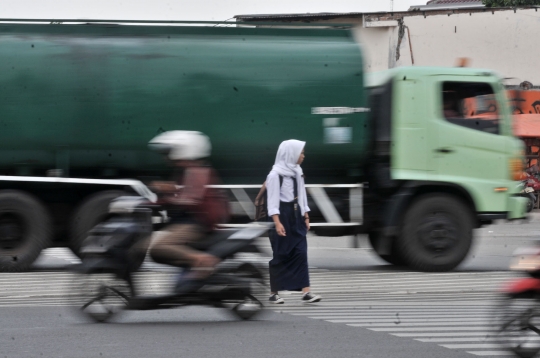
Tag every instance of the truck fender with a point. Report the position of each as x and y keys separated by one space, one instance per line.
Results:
x=399 y=201
x=394 y=207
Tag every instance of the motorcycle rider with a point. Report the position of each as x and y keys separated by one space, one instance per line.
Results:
x=193 y=210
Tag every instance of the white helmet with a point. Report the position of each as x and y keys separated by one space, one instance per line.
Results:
x=182 y=145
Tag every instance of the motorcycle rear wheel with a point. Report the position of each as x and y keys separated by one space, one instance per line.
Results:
x=517 y=319
x=100 y=296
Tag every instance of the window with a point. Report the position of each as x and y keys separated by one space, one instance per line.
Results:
x=472 y=105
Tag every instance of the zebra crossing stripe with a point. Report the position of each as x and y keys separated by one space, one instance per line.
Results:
x=468 y=339
x=446 y=334
x=492 y=353
x=403 y=316
x=471 y=346
x=407 y=322
x=390 y=309
x=482 y=323
x=420 y=329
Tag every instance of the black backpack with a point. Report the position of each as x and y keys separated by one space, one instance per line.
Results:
x=261 y=201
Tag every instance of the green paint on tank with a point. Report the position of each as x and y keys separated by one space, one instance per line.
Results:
x=101 y=92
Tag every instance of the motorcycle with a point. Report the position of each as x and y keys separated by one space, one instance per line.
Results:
x=106 y=283
x=517 y=313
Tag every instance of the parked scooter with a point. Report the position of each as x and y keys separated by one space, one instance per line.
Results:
x=527 y=190
x=106 y=282
x=533 y=181
x=517 y=313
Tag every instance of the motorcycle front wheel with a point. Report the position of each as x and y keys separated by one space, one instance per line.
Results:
x=248 y=302
x=517 y=320
x=100 y=296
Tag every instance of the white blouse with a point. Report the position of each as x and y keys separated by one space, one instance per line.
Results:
x=286 y=194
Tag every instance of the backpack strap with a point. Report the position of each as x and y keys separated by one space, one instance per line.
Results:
x=295 y=190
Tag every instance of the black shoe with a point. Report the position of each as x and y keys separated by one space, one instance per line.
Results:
x=276 y=299
x=309 y=298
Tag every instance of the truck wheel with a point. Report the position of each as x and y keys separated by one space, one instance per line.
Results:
x=90 y=212
x=393 y=258
x=436 y=233
x=25 y=230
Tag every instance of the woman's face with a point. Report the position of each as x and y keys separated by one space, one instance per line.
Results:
x=301 y=158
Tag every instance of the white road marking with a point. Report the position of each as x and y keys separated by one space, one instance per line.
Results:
x=492 y=353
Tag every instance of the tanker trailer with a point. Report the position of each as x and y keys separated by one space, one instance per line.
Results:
x=81 y=102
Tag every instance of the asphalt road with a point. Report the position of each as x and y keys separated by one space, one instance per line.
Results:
x=492 y=248
x=370 y=309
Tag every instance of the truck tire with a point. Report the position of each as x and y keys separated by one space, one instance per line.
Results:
x=436 y=233
x=393 y=258
x=88 y=214
x=25 y=230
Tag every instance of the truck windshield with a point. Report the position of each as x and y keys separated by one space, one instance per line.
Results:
x=472 y=105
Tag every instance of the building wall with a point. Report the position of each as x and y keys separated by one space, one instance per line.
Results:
x=505 y=41
x=378 y=47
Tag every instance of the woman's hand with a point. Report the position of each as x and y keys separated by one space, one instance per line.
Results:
x=163 y=186
x=280 y=229
x=306 y=219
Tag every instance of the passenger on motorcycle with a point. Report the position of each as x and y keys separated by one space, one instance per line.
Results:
x=194 y=210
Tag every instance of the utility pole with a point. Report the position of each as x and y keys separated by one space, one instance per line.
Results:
x=391 y=5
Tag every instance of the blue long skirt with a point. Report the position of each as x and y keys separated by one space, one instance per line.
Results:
x=289 y=265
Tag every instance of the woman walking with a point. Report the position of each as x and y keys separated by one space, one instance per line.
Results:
x=287 y=206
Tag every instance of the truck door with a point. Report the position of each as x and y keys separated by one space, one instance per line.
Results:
x=468 y=148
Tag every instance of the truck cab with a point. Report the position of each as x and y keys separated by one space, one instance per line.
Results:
x=444 y=156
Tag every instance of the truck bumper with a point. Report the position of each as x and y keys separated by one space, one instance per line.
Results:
x=517 y=207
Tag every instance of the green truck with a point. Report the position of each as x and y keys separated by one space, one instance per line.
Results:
x=80 y=101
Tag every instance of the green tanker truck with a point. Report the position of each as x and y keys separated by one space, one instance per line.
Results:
x=385 y=155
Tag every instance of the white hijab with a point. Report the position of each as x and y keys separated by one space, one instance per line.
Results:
x=286 y=164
